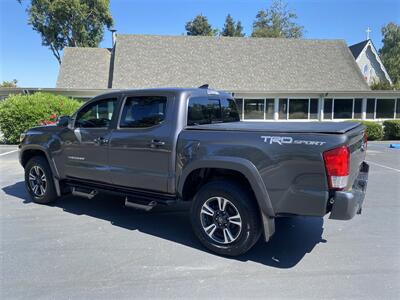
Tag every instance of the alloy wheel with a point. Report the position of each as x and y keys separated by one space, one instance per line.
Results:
x=221 y=220
x=37 y=181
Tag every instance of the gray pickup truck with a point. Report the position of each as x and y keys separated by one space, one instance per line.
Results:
x=161 y=146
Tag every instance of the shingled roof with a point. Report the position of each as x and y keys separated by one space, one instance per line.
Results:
x=85 y=68
x=235 y=64
x=356 y=49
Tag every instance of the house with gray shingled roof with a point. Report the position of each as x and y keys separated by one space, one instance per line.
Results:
x=272 y=79
x=227 y=63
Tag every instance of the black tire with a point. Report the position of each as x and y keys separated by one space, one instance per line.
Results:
x=245 y=205
x=49 y=195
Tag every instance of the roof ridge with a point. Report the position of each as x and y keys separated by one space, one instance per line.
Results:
x=222 y=37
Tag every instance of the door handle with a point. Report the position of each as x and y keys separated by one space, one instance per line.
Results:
x=100 y=140
x=156 y=143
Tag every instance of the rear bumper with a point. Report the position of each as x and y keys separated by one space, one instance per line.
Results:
x=346 y=204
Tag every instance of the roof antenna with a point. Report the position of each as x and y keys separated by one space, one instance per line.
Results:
x=204 y=86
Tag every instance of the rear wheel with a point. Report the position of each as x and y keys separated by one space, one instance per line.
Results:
x=39 y=180
x=225 y=218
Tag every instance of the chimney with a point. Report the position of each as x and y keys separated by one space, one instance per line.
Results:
x=113 y=36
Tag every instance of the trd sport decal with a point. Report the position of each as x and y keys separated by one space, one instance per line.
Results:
x=289 y=140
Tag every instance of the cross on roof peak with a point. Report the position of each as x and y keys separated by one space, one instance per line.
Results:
x=368 y=31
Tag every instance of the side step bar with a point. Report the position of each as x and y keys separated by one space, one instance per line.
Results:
x=84 y=193
x=138 y=204
x=138 y=199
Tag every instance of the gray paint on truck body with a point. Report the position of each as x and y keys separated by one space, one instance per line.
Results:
x=286 y=178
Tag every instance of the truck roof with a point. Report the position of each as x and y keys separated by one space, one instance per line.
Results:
x=175 y=90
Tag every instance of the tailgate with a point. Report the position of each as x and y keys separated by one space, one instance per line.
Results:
x=357 y=144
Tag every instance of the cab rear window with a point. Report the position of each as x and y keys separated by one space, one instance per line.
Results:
x=202 y=110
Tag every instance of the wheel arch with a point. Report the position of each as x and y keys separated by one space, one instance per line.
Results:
x=248 y=171
x=239 y=165
x=28 y=152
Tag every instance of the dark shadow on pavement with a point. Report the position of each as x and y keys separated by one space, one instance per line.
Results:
x=294 y=236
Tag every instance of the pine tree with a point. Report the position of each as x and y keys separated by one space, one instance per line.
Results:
x=239 y=29
x=231 y=28
x=199 y=26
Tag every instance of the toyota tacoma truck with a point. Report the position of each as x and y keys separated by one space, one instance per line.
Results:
x=161 y=146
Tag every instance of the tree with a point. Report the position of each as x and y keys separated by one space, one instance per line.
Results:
x=9 y=84
x=276 y=22
x=390 y=51
x=239 y=29
x=381 y=85
x=199 y=26
x=74 y=23
x=231 y=28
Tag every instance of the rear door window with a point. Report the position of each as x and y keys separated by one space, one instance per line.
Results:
x=143 y=111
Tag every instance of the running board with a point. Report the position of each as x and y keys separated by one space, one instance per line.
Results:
x=139 y=199
x=82 y=193
x=140 y=204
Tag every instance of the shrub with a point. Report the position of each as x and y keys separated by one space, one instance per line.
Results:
x=380 y=85
x=21 y=112
x=374 y=130
x=392 y=129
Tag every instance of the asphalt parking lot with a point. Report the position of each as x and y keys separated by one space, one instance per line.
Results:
x=97 y=248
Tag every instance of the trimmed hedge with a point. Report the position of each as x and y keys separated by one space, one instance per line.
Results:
x=18 y=113
x=392 y=129
x=374 y=129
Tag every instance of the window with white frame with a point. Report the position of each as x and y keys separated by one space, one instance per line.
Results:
x=269 y=109
x=239 y=105
x=370 y=114
x=313 y=108
x=381 y=108
x=254 y=109
x=283 y=108
x=298 y=108
x=385 y=108
x=308 y=108
x=343 y=108
x=257 y=109
x=328 y=103
x=357 y=108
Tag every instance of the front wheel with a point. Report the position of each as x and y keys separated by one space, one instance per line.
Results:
x=225 y=218
x=39 y=180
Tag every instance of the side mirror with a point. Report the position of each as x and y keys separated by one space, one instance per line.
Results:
x=63 y=121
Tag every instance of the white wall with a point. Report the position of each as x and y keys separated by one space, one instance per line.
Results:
x=367 y=59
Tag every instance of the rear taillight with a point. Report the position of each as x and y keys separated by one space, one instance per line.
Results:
x=337 y=162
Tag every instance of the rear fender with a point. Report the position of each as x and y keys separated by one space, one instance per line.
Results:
x=251 y=173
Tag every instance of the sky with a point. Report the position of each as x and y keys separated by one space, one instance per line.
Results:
x=22 y=56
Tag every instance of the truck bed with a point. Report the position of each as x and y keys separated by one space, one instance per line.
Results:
x=281 y=127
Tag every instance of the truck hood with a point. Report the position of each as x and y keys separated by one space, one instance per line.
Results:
x=283 y=127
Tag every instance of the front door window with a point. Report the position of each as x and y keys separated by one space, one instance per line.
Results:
x=96 y=115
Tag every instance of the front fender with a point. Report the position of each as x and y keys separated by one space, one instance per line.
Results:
x=43 y=150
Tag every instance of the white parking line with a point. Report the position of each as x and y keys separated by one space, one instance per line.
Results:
x=382 y=166
x=5 y=153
